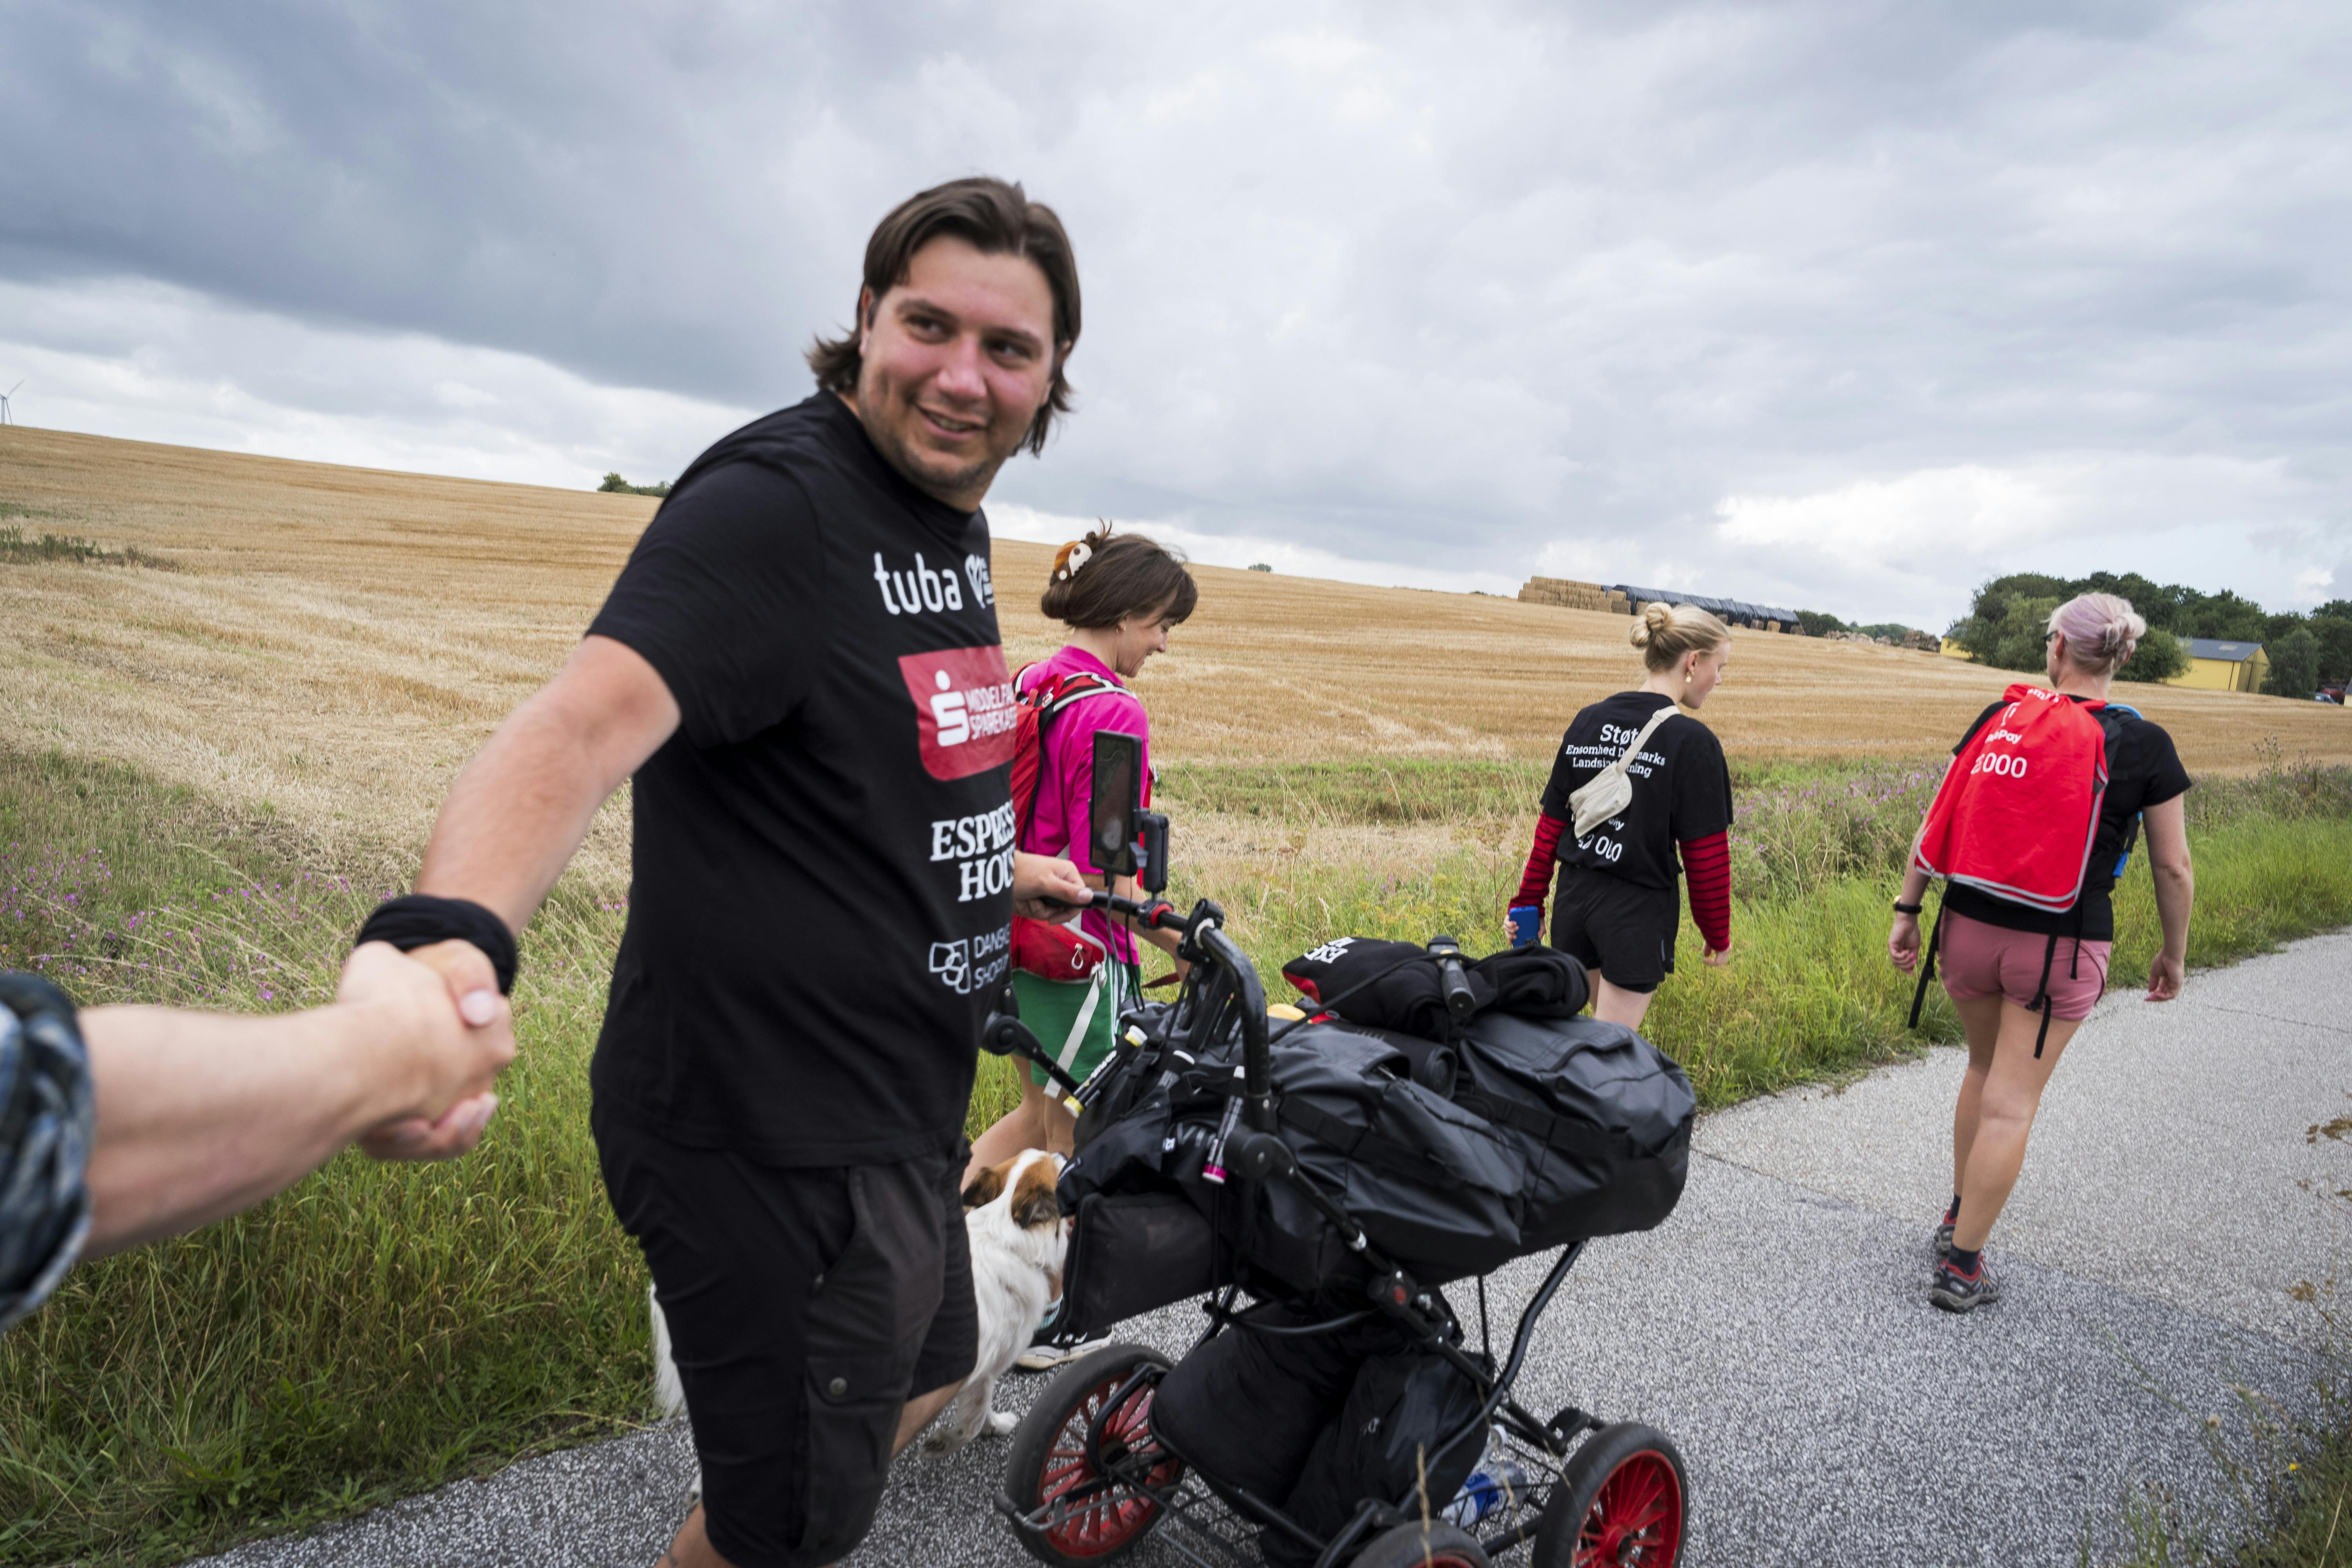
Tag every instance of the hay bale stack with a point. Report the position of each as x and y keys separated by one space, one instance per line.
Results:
x=1566 y=594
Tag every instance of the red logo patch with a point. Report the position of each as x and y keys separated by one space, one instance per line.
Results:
x=965 y=712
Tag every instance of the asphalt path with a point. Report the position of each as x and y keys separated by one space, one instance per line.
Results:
x=2183 y=1184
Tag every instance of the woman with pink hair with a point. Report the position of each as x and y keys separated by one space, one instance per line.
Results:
x=2023 y=979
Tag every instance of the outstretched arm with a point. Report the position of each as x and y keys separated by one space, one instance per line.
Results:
x=513 y=821
x=202 y=1114
x=517 y=815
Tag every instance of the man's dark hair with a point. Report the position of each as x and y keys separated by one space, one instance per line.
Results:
x=996 y=219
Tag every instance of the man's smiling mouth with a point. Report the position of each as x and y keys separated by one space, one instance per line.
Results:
x=950 y=427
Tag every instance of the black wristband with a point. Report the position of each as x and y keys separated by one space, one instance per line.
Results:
x=1903 y=908
x=420 y=920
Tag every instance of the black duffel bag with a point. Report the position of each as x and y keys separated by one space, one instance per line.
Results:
x=1409 y=1425
x=1435 y=1185
x=1432 y=1184
x=1601 y=1116
x=1132 y=1253
x=1250 y=1409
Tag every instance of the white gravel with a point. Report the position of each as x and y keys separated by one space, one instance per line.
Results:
x=1777 y=1326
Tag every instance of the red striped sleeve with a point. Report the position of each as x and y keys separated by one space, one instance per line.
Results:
x=1707 y=863
x=1535 y=883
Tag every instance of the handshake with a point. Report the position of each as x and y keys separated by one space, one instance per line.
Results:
x=147 y=1122
x=199 y=1115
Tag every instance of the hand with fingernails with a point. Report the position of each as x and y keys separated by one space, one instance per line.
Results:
x=474 y=986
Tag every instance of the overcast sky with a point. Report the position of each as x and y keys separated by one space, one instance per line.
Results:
x=1843 y=305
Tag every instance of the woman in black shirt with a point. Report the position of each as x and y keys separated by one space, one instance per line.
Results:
x=1618 y=912
x=2021 y=978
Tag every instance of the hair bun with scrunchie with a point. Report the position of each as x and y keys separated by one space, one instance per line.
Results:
x=2102 y=631
x=1126 y=575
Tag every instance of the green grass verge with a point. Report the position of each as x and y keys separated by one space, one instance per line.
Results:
x=1377 y=790
x=374 y=1332
x=380 y=1329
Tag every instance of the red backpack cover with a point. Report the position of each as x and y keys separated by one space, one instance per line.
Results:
x=1045 y=948
x=2019 y=808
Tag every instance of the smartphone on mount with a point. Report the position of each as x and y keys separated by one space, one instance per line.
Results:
x=1123 y=839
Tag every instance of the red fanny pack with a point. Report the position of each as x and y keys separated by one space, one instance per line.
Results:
x=1053 y=951
x=1048 y=949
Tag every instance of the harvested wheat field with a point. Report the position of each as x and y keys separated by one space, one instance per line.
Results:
x=328 y=645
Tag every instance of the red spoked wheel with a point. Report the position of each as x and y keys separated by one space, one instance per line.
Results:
x=1622 y=1500
x=1422 y=1546
x=1079 y=1417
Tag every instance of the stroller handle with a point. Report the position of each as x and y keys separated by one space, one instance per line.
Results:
x=1257 y=1057
x=1157 y=912
x=1205 y=941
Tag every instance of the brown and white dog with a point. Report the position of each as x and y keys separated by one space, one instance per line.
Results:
x=1012 y=1222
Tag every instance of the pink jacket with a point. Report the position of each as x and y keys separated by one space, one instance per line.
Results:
x=1065 y=778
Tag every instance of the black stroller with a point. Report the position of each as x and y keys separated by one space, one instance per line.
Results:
x=1339 y=1175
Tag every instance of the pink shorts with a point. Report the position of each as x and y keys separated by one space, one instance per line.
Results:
x=1980 y=960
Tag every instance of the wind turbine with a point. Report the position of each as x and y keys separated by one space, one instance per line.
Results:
x=5 y=416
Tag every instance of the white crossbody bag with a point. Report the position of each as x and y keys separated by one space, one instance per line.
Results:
x=1608 y=792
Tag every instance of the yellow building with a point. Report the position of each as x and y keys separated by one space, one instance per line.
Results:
x=2217 y=665
x=1953 y=650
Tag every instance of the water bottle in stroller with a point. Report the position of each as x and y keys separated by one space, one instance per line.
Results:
x=1498 y=1480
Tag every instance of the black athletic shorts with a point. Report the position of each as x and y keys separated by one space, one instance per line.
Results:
x=806 y=1305
x=1609 y=924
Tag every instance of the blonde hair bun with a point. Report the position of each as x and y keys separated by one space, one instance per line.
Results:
x=1664 y=633
x=2101 y=631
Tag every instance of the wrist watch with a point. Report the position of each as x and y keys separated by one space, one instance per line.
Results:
x=1903 y=908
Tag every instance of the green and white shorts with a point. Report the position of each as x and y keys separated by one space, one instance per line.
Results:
x=1077 y=1020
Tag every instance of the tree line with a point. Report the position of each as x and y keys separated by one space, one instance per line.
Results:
x=1817 y=623
x=2007 y=619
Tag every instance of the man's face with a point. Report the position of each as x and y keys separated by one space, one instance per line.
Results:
x=958 y=360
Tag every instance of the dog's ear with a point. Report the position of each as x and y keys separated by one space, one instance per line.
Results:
x=1035 y=1201
x=986 y=1185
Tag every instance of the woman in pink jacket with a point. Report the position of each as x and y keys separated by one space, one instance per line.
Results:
x=1120 y=594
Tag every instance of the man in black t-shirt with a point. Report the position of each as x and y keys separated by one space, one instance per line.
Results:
x=800 y=667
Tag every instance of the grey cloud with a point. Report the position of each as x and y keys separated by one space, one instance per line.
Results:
x=1365 y=276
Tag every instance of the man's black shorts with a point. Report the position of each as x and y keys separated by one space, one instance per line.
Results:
x=1624 y=932
x=804 y=1307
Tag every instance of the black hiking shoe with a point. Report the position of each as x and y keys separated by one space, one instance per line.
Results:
x=1943 y=1239
x=1958 y=1292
